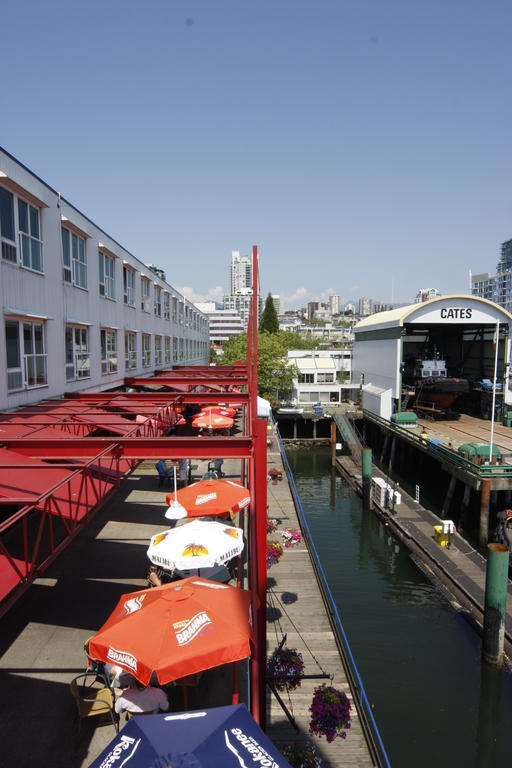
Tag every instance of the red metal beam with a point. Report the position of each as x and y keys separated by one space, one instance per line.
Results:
x=223 y=381
x=162 y=398
x=134 y=447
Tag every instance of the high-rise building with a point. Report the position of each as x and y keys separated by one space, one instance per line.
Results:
x=497 y=287
x=334 y=304
x=276 y=298
x=239 y=300
x=241 y=273
x=365 y=307
x=313 y=306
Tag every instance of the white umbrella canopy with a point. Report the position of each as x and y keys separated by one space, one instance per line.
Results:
x=198 y=544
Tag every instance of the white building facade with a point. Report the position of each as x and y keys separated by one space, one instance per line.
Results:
x=223 y=323
x=320 y=377
x=79 y=311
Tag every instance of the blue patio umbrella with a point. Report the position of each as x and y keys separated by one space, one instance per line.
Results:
x=209 y=738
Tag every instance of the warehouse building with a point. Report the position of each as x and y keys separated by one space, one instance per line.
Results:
x=79 y=311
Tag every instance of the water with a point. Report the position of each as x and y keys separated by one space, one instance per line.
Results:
x=434 y=703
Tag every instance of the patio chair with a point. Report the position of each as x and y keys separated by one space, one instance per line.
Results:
x=164 y=474
x=92 y=698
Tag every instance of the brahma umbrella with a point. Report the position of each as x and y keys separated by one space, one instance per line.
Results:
x=223 y=736
x=219 y=410
x=198 y=544
x=212 y=421
x=208 y=497
x=176 y=630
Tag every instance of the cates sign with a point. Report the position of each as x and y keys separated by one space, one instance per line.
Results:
x=457 y=311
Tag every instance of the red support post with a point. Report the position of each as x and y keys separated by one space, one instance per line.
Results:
x=260 y=490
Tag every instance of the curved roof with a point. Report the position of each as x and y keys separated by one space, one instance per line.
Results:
x=398 y=317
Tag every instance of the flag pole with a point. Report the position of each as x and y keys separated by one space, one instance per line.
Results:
x=496 y=344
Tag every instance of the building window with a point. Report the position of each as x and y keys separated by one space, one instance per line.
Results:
x=107 y=275
x=158 y=301
x=158 y=350
x=29 y=231
x=78 y=362
x=144 y=292
x=306 y=378
x=130 y=351
x=129 y=286
x=7 y=231
x=167 y=306
x=325 y=378
x=174 y=349
x=182 y=349
x=174 y=309
x=167 y=343
x=26 y=358
x=146 y=350
x=31 y=244
x=74 y=258
x=108 y=351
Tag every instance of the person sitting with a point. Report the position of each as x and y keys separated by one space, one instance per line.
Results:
x=117 y=676
x=163 y=473
x=139 y=698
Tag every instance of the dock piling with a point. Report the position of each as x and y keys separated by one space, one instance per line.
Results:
x=367 y=477
x=485 y=497
x=333 y=443
x=495 y=604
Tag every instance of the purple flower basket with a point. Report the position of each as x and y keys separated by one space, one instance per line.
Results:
x=330 y=713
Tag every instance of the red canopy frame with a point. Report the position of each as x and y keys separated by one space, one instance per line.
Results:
x=90 y=468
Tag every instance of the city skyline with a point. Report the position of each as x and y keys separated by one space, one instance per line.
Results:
x=365 y=152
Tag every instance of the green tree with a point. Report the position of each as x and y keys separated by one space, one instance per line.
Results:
x=275 y=376
x=269 y=321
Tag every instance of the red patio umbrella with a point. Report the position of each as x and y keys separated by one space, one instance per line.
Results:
x=176 y=630
x=212 y=497
x=220 y=410
x=212 y=421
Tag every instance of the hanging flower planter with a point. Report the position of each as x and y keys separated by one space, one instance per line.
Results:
x=285 y=662
x=274 y=552
x=301 y=755
x=291 y=536
x=330 y=713
x=271 y=525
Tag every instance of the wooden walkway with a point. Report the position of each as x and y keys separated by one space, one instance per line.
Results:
x=467 y=429
x=460 y=570
x=295 y=607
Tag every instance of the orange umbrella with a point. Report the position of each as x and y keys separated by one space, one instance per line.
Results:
x=220 y=410
x=212 y=497
x=212 y=421
x=176 y=630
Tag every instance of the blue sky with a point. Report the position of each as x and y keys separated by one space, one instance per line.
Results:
x=361 y=144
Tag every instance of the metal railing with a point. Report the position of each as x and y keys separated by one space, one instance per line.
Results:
x=358 y=691
x=351 y=435
x=447 y=455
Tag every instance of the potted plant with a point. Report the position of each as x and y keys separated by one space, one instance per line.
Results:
x=291 y=536
x=330 y=713
x=271 y=524
x=274 y=552
x=301 y=755
x=285 y=663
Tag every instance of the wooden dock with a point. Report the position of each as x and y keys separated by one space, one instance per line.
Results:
x=459 y=571
x=468 y=429
x=295 y=607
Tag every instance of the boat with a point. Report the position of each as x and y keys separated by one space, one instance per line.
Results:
x=433 y=388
